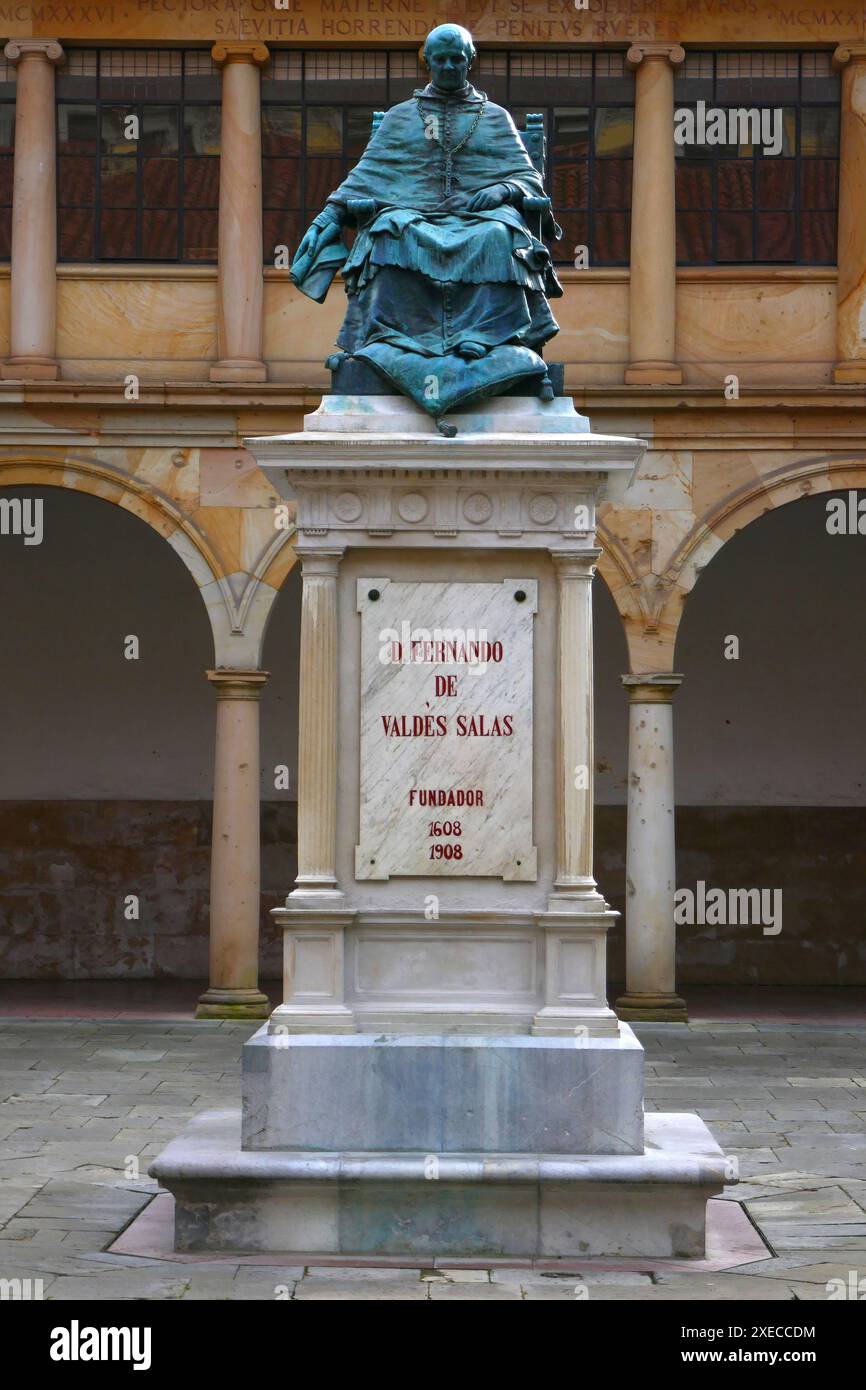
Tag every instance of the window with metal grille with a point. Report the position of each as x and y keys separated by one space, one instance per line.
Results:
x=8 y=73
x=737 y=204
x=138 y=147
x=317 y=114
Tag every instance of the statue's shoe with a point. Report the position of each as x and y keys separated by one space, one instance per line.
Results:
x=471 y=351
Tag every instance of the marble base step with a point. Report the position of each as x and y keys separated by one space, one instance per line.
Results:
x=653 y=1203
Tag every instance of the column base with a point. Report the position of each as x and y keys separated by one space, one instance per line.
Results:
x=238 y=369
x=315 y=896
x=30 y=369
x=571 y=900
x=652 y=1008
x=233 y=1003
x=851 y=373
x=584 y=1023
x=311 y=1018
x=653 y=374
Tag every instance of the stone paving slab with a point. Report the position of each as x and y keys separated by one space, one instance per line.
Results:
x=80 y=1098
x=485 y=1293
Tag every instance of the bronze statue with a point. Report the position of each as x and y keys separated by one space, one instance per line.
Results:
x=448 y=280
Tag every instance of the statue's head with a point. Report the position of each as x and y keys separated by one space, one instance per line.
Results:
x=449 y=54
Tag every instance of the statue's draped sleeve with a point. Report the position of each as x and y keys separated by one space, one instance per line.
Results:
x=402 y=168
x=399 y=179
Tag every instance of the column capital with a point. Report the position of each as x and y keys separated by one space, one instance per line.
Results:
x=673 y=52
x=652 y=687
x=239 y=52
x=849 y=53
x=237 y=685
x=576 y=564
x=319 y=562
x=50 y=49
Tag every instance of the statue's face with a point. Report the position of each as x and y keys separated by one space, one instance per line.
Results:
x=448 y=62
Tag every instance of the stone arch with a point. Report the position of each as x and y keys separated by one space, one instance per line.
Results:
x=648 y=643
x=652 y=630
x=276 y=562
x=615 y=568
x=232 y=602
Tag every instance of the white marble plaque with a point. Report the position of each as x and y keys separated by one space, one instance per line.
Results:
x=446 y=729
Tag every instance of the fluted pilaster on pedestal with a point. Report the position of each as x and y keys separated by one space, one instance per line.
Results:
x=577 y=919
x=653 y=262
x=241 y=282
x=650 y=929
x=235 y=851
x=315 y=916
x=317 y=726
x=33 y=312
x=575 y=772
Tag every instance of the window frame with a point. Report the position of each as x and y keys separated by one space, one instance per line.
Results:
x=138 y=106
x=719 y=154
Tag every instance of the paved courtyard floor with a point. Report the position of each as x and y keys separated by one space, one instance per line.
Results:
x=86 y=1103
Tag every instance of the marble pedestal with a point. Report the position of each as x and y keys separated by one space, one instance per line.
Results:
x=444 y=1075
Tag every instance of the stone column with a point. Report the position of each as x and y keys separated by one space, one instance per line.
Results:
x=650 y=932
x=575 y=779
x=240 y=218
x=33 y=342
x=235 y=879
x=851 y=250
x=653 y=276
x=317 y=728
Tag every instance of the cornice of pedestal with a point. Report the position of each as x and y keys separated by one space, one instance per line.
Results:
x=319 y=453
x=509 y=490
x=231 y=51
x=673 y=52
x=337 y=511
x=50 y=49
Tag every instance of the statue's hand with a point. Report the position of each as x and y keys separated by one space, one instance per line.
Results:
x=305 y=254
x=488 y=198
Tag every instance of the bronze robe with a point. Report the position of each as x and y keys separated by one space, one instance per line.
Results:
x=425 y=274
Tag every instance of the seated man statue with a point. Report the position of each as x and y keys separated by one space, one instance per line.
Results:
x=448 y=279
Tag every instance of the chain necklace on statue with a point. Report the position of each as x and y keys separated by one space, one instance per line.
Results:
x=449 y=151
